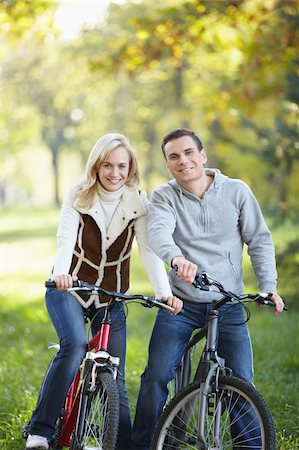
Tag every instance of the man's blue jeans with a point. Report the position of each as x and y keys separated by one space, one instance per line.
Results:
x=67 y=316
x=169 y=338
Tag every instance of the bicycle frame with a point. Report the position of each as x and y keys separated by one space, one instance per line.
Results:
x=205 y=374
x=99 y=343
x=183 y=371
x=209 y=366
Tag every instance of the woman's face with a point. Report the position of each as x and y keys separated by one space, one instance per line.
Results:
x=113 y=171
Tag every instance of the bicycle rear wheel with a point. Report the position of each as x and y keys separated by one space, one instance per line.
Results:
x=98 y=419
x=236 y=417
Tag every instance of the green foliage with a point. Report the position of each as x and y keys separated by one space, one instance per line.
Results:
x=19 y=16
x=227 y=69
x=222 y=62
x=286 y=238
x=276 y=371
x=288 y=269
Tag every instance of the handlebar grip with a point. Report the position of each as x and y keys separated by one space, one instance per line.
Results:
x=267 y=301
x=52 y=284
x=164 y=306
x=153 y=301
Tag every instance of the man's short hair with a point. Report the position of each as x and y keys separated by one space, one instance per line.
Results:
x=179 y=132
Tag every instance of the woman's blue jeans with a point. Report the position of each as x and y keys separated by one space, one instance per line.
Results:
x=68 y=319
x=169 y=338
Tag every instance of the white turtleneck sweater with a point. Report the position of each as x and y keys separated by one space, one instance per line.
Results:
x=109 y=201
x=107 y=206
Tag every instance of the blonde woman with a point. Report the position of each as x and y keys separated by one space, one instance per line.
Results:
x=100 y=217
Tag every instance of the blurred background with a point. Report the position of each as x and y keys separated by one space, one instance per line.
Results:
x=71 y=71
x=229 y=69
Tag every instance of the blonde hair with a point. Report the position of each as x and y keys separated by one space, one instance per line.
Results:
x=87 y=186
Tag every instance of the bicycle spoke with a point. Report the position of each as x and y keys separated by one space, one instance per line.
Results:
x=236 y=417
x=102 y=416
x=92 y=430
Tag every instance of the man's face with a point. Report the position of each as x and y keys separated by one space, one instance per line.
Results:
x=184 y=160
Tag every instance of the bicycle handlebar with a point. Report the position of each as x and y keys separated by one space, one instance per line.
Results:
x=83 y=286
x=203 y=282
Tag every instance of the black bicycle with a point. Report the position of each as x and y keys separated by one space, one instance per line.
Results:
x=217 y=411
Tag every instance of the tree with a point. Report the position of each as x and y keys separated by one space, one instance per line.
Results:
x=227 y=62
x=18 y=17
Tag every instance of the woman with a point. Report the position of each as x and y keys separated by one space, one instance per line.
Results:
x=99 y=218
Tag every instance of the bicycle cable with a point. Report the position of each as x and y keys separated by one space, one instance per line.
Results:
x=247 y=314
x=245 y=307
x=98 y=310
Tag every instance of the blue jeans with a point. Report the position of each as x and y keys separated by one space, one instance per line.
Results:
x=68 y=319
x=169 y=338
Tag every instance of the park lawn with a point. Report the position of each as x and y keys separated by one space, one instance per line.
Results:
x=27 y=251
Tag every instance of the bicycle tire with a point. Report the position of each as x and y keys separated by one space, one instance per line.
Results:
x=177 y=427
x=98 y=418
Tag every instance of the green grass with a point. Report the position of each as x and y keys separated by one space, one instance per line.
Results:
x=27 y=252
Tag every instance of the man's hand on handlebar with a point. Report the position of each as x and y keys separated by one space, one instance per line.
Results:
x=185 y=270
x=64 y=282
x=174 y=302
x=279 y=303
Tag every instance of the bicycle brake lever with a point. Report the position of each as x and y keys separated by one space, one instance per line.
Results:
x=201 y=281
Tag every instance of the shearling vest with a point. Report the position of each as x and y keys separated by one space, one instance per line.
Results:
x=109 y=269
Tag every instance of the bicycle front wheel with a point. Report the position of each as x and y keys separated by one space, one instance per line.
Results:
x=236 y=417
x=97 y=425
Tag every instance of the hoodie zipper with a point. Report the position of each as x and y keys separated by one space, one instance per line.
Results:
x=204 y=214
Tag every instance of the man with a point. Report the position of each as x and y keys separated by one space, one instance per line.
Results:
x=200 y=220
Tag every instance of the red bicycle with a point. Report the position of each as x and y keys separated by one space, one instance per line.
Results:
x=90 y=417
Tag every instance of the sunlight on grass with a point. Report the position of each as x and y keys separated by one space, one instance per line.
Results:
x=27 y=253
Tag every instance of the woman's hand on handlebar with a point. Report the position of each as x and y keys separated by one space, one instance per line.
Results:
x=64 y=282
x=174 y=302
x=185 y=270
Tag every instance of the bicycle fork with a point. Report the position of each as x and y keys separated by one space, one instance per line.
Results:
x=206 y=384
x=203 y=410
x=100 y=359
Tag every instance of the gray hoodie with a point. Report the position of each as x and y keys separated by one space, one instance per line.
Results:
x=211 y=232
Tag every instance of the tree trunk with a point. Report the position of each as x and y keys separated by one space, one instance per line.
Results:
x=180 y=106
x=54 y=151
